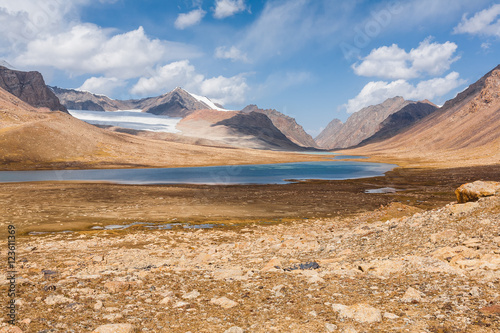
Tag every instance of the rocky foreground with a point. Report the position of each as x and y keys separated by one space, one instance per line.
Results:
x=431 y=271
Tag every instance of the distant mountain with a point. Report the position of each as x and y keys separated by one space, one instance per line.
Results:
x=360 y=125
x=176 y=103
x=401 y=120
x=204 y=119
x=467 y=127
x=236 y=128
x=287 y=125
x=84 y=100
x=30 y=88
x=329 y=133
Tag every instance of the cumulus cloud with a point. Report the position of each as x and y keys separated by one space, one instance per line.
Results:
x=189 y=19
x=102 y=85
x=87 y=49
x=226 y=8
x=392 y=62
x=233 y=53
x=222 y=90
x=485 y=22
x=377 y=92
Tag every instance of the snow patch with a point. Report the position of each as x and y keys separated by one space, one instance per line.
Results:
x=207 y=102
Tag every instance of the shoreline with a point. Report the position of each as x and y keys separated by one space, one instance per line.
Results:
x=54 y=206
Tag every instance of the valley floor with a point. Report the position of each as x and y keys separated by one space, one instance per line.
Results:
x=337 y=261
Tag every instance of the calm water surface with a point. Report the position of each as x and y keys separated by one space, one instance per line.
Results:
x=241 y=174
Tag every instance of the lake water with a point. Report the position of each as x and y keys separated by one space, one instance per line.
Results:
x=241 y=174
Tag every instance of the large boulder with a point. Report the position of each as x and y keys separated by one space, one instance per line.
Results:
x=474 y=191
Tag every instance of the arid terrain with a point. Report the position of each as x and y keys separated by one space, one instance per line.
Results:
x=397 y=268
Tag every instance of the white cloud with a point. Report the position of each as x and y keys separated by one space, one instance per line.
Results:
x=393 y=62
x=225 y=90
x=189 y=19
x=222 y=90
x=226 y=8
x=376 y=92
x=485 y=22
x=102 y=85
x=89 y=49
x=233 y=53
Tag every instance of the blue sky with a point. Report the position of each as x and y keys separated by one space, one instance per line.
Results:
x=314 y=60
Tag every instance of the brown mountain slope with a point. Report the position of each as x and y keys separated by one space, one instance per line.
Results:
x=287 y=125
x=362 y=124
x=30 y=88
x=36 y=138
x=330 y=131
x=236 y=128
x=84 y=100
x=401 y=120
x=465 y=131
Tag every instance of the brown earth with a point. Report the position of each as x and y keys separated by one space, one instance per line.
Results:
x=396 y=269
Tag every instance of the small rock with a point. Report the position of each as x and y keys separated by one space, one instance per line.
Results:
x=98 y=305
x=180 y=304
x=117 y=286
x=330 y=327
x=412 y=296
x=57 y=299
x=493 y=309
x=389 y=315
x=115 y=328
x=224 y=302
x=166 y=300
x=475 y=292
x=192 y=295
x=350 y=329
x=443 y=236
x=463 y=208
x=272 y=264
x=11 y=329
x=234 y=329
x=362 y=313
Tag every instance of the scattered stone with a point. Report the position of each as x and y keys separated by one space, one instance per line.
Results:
x=388 y=315
x=443 y=236
x=11 y=329
x=180 y=304
x=235 y=329
x=474 y=191
x=493 y=309
x=224 y=302
x=307 y=265
x=362 y=313
x=115 y=328
x=272 y=264
x=330 y=327
x=192 y=295
x=98 y=305
x=167 y=300
x=412 y=296
x=467 y=207
x=117 y=286
x=57 y=299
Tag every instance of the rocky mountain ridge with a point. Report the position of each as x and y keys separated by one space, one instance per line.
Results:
x=286 y=124
x=29 y=87
x=466 y=127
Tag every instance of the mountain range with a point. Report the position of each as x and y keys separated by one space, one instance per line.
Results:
x=204 y=119
x=381 y=120
x=466 y=127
